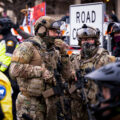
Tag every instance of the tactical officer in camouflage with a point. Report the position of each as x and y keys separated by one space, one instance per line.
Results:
x=91 y=57
x=58 y=63
x=28 y=69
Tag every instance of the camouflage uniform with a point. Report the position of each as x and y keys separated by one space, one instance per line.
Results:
x=99 y=58
x=28 y=69
x=51 y=57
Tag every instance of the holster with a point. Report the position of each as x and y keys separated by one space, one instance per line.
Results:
x=52 y=91
x=48 y=93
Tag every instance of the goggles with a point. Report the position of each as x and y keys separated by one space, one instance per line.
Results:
x=56 y=25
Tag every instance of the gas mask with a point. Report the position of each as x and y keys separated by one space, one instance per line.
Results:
x=49 y=41
x=88 y=50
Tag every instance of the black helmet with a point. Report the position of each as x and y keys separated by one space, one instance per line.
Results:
x=108 y=73
x=107 y=76
x=6 y=25
x=113 y=28
x=116 y=28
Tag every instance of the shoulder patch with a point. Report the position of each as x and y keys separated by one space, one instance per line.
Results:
x=10 y=43
x=2 y=92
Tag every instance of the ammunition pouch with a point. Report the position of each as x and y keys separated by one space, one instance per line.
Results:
x=51 y=92
x=55 y=90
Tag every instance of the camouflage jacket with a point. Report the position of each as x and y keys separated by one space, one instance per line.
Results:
x=101 y=58
x=28 y=68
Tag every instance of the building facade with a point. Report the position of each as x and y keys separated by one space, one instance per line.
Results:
x=60 y=7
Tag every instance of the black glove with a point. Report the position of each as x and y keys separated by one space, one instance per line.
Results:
x=26 y=117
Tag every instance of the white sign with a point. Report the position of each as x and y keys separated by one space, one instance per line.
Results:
x=90 y=14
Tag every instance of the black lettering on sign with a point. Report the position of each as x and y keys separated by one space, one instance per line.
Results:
x=93 y=16
x=74 y=33
x=88 y=17
x=78 y=17
x=83 y=16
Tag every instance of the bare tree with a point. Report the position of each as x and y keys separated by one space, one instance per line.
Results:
x=16 y=6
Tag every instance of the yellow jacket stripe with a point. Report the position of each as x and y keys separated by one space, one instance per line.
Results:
x=5 y=58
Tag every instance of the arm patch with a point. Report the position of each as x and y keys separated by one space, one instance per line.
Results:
x=10 y=46
x=2 y=92
x=10 y=43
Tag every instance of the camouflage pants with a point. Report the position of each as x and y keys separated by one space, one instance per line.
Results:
x=51 y=108
x=56 y=108
x=78 y=109
x=31 y=107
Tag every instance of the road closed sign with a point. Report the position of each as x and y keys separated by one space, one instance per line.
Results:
x=91 y=14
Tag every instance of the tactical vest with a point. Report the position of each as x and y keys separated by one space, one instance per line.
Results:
x=35 y=82
x=92 y=62
x=33 y=86
x=88 y=66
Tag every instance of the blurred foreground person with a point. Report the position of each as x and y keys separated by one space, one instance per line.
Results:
x=5 y=98
x=107 y=79
x=91 y=57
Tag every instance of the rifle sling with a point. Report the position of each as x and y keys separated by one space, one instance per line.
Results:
x=34 y=42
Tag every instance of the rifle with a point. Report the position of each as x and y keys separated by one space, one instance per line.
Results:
x=81 y=85
x=58 y=90
x=64 y=104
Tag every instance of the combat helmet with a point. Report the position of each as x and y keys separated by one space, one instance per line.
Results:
x=113 y=28
x=88 y=32
x=107 y=76
x=116 y=28
x=44 y=23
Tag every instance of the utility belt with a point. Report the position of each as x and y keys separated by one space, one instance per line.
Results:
x=26 y=94
x=55 y=91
